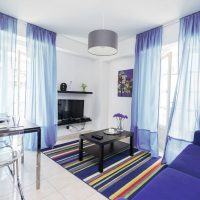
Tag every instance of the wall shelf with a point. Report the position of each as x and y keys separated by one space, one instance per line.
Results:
x=74 y=92
x=74 y=121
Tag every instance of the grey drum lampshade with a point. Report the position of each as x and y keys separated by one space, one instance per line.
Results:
x=103 y=42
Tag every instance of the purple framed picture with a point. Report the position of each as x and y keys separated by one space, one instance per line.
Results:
x=125 y=83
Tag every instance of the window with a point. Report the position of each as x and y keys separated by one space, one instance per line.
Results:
x=12 y=70
x=168 y=79
x=20 y=79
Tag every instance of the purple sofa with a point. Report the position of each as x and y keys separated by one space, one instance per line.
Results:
x=180 y=180
x=188 y=161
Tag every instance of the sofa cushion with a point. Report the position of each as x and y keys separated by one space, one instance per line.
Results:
x=188 y=161
x=171 y=184
x=197 y=138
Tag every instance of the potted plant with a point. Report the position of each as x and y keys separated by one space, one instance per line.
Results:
x=83 y=86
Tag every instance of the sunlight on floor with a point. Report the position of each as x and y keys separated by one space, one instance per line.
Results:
x=56 y=182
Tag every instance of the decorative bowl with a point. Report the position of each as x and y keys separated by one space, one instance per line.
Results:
x=112 y=131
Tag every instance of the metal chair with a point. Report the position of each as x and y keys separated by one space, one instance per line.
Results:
x=11 y=150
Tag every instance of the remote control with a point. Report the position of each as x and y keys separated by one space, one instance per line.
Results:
x=98 y=137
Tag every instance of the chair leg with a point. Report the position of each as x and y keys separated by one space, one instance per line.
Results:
x=13 y=172
x=18 y=181
x=22 y=158
x=17 y=169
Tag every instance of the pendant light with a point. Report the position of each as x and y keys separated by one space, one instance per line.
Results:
x=103 y=42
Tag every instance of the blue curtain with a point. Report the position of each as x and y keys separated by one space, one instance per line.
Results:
x=41 y=92
x=8 y=38
x=185 y=113
x=146 y=87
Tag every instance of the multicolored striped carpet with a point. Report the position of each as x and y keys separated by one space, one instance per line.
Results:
x=123 y=175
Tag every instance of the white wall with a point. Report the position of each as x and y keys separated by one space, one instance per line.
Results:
x=75 y=64
x=63 y=43
x=78 y=70
x=84 y=70
x=123 y=104
x=100 y=74
x=170 y=33
x=101 y=95
x=122 y=61
x=119 y=104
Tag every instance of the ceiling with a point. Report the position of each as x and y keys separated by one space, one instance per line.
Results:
x=76 y=18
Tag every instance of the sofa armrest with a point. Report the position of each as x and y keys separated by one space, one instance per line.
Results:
x=197 y=138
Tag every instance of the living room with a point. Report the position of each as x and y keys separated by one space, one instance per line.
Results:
x=99 y=100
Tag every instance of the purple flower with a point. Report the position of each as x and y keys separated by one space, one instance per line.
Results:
x=117 y=115
x=120 y=116
x=125 y=117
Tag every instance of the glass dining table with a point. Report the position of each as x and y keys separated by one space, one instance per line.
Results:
x=26 y=127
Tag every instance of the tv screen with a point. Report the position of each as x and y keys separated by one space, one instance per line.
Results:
x=70 y=109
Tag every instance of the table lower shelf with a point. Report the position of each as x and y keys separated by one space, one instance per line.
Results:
x=108 y=148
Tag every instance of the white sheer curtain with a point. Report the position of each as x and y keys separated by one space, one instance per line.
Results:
x=185 y=113
x=8 y=34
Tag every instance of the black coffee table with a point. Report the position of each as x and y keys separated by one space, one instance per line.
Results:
x=110 y=144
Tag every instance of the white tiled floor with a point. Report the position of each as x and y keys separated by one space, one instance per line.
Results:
x=56 y=183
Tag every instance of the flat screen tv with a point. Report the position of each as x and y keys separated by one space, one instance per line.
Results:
x=68 y=109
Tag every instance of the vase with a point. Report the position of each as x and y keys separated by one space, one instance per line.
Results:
x=84 y=89
x=120 y=125
x=63 y=87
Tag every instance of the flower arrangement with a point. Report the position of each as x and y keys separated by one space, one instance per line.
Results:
x=120 y=117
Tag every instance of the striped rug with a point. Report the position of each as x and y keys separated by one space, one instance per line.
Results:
x=123 y=175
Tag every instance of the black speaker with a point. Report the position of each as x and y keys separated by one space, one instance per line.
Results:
x=63 y=87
